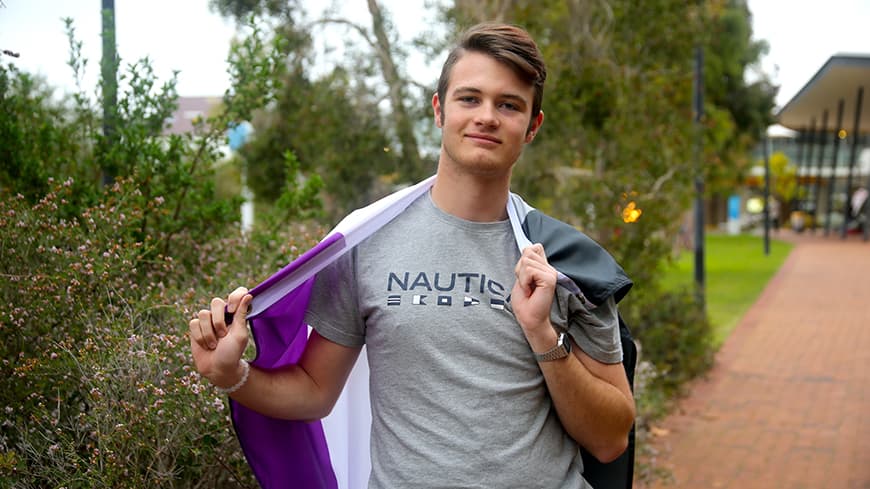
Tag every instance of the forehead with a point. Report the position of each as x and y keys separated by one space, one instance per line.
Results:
x=482 y=72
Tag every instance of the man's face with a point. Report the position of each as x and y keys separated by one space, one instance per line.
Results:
x=484 y=117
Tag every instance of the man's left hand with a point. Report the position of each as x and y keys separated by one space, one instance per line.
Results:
x=533 y=291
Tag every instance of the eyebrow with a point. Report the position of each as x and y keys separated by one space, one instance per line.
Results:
x=477 y=91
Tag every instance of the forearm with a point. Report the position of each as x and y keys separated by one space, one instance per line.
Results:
x=592 y=409
x=593 y=399
x=289 y=393
x=305 y=391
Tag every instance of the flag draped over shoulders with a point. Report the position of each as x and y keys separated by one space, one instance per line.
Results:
x=298 y=454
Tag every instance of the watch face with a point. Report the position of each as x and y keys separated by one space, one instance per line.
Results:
x=565 y=342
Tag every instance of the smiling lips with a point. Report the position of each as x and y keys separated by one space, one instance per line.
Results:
x=486 y=138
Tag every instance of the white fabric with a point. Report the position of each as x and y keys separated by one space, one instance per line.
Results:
x=354 y=228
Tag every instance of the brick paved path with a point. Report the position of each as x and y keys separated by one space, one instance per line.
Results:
x=787 y=404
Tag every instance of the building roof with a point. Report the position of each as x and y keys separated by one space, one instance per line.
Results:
x=189 y=108
x=839 y=78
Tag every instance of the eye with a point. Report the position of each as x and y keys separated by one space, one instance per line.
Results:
x=510 y=106
x=468 y=99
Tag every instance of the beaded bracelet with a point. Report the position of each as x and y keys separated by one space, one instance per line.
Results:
x=229 y=390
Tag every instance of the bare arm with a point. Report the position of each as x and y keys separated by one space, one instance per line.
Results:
x=593 y=399
x=305 y=391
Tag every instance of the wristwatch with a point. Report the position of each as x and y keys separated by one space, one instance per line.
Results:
x=561 y=350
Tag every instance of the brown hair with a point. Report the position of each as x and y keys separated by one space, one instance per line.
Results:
x=508 y=44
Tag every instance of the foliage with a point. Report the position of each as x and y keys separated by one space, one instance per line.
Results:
x=675 y=337
x=332 y=132
x=783 y=177
x=739 y=110
x=93 y=378
x=336 y=123
x=38 y=136
x=96 y=384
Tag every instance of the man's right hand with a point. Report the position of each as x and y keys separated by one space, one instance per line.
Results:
x=216 y=346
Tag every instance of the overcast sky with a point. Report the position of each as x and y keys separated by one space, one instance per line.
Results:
x=175 y=34
x=184 y=35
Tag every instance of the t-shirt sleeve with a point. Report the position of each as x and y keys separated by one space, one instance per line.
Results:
x=333 y=310
x=595 y=330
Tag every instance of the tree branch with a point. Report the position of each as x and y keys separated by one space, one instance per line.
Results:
x=334 y=20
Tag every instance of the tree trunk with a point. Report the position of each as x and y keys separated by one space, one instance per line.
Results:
x=411 y=164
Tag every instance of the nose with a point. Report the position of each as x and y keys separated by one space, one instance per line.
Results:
x=487 y=115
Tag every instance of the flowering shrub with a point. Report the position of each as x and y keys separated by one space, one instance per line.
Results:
x=97 y=388
x=98 y=283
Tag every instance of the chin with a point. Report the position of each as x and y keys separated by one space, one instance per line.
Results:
x=487 y=169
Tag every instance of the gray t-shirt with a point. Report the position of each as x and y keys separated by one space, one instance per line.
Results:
x=457 y=397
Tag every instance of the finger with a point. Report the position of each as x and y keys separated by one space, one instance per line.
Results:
x=240 y=317
x=536 y=252
x=195 y=332
x=235 y=298
x=530 y=262
x=197 y=343
x=218 y=320
x=207 y=330
x=532 y=273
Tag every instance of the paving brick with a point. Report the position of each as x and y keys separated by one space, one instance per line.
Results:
x=786 y=403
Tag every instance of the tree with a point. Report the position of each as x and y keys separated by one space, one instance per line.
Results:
x=619 y=116
x=39 y=137
x=333 y=132
x=355 y=139
x=740 y=111
x=783 y=181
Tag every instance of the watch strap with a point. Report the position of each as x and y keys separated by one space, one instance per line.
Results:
x=561 y=350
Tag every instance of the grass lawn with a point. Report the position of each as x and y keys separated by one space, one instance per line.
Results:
x=736 y=272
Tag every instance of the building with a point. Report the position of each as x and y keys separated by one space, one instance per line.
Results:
x=830 y=143
x=189 y=109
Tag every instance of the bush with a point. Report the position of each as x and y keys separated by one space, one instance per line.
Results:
x=675 y=341
x=674 y=334
x=96 y=384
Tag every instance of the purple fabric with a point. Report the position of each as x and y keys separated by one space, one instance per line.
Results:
x=280 y=334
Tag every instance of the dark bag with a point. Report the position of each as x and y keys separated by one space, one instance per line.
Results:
x=619 y=473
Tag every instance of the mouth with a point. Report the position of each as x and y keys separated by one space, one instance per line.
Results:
x=486 y=138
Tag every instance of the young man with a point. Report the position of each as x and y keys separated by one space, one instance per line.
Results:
x=462 y=393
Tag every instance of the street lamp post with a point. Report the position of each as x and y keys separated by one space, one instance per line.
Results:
x=698 y=102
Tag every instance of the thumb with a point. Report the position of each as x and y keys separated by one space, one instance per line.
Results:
x=240 y=317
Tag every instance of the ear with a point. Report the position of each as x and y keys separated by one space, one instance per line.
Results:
x=536 y=125
x=436 y=106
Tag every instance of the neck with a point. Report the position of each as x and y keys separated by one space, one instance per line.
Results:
x=471 y=197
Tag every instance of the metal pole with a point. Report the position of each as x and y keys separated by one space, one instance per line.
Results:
x=766 y=153
x=830 y=201
x=698 y=100
x=823 y=135
x=807 y=166
x=800 y=142
x=853 y=156
x=109 y=72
